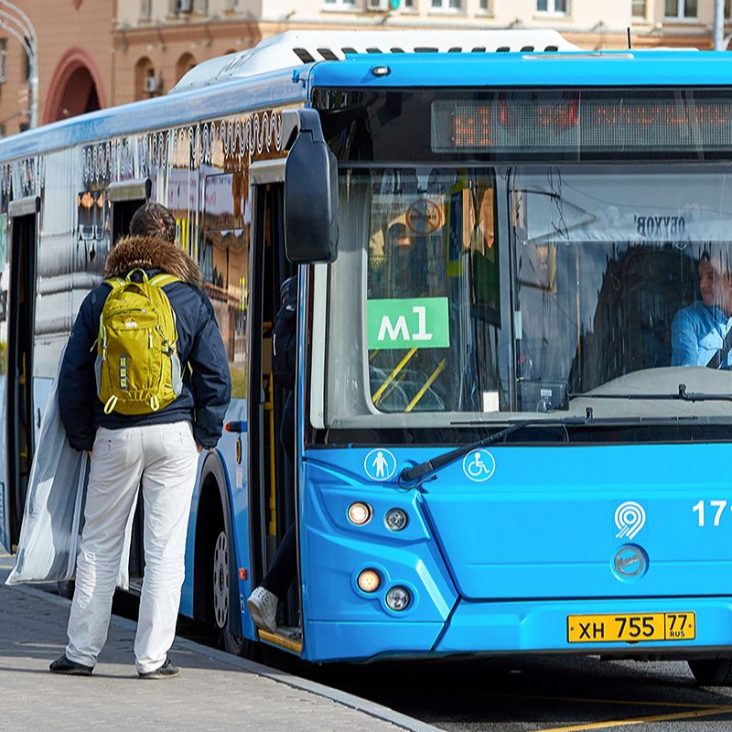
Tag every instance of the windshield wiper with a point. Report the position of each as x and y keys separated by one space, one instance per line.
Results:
x=682 y=394
x=416 y=474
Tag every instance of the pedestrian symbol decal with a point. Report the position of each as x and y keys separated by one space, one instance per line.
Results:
x=380 y=464
x=479 y=465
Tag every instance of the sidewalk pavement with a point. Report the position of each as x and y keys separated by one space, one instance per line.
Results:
x=214 y=691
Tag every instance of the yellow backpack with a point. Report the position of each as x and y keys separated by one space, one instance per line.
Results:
x=137 y=366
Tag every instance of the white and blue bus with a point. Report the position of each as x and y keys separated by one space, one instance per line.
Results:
x=496 y=239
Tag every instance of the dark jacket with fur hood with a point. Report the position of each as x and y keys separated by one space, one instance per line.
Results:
x=206 y=392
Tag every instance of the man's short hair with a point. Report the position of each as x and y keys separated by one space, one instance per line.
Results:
x=153 y=220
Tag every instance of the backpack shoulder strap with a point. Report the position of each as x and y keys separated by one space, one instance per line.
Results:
x=158 y=282
x=114 y=282
x=162 y=279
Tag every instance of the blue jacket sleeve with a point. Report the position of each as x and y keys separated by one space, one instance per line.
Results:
x=77 y=385
x=210 y=378
x=684 y=340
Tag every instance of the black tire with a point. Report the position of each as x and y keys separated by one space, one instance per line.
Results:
x=220 y=577
x=712 y=671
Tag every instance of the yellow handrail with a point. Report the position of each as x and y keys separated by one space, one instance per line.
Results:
x=380 y=391
x=427 y=384
x=269 y=407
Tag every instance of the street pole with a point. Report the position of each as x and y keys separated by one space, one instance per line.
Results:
x=32 y=84
x=19 y=25
x=719 y=44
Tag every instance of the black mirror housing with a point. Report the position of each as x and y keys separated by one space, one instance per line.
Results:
x=311 y=195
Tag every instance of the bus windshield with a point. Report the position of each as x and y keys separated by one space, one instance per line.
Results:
x=490 y=293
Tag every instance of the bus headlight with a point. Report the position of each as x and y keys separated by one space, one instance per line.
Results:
x=396 y=519
x=369 y=580
x=359 y=513
x=398 y=598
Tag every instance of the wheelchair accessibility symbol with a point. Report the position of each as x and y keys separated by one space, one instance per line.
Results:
x=479 y=465
x=380 y=464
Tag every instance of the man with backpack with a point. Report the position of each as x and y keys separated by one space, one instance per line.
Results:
x=144 y=386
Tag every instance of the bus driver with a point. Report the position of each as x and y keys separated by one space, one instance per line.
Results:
x=699 y=331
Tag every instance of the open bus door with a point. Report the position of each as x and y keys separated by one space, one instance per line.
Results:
x=19 y=414
x=293 y=223
x=271 y=476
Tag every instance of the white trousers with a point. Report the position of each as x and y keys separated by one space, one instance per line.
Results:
x=163 y=459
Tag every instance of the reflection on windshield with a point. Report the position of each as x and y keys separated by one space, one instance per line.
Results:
x=432 y=285
x=607 y=262
x=451 y=303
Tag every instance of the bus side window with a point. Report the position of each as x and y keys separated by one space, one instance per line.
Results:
x=224 y=261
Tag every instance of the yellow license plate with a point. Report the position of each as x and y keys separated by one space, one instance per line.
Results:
x=631 y=628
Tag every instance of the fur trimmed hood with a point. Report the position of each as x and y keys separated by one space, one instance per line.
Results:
x=149 y=253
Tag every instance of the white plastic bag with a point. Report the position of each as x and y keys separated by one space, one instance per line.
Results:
x=54 y=508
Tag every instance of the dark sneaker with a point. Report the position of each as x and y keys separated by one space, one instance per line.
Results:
x=65 y=665
x=165 y=671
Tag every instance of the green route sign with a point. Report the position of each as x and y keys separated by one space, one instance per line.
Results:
x=420 y=322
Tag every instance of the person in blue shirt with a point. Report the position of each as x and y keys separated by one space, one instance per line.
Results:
x=698 y=331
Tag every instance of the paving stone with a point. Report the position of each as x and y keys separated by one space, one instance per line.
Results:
x=211 y=692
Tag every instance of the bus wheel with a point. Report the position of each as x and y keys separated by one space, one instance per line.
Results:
x=712 y=671
x=220 y=593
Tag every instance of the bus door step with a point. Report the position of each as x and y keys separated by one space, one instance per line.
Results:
x=288 y=638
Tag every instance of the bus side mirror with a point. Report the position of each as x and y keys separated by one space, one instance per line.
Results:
x=311 y=195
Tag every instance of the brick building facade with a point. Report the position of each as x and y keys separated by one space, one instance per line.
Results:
x=75 y=65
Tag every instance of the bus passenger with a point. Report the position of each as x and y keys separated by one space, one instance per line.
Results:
x=158 y=449
x=699 y=331
x=262 y=603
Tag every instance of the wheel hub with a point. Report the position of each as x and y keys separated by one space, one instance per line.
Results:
x=221 y=580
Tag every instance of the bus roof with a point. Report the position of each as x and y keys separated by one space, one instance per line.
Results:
x=267 y=91
x=295 y=48
x=566 y=69
x=229 y=89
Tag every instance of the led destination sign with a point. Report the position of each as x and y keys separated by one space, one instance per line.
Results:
x=587 y=121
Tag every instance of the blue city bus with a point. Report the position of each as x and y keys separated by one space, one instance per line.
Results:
x=502 y=444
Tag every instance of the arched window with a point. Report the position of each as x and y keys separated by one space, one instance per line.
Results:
x=75 y=87
x=145 y=78
x=184 y=64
